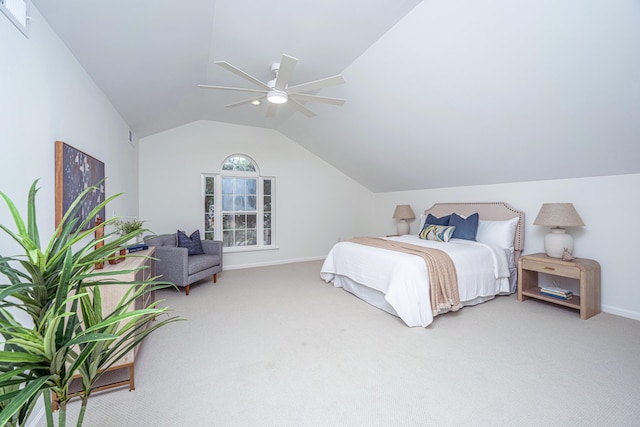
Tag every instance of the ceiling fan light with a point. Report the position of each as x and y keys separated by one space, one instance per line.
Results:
x=277 y=97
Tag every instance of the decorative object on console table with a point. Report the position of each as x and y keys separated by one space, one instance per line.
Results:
x=132 y=227
x=586 y=271
x=137 y=248
x=99 y=234
x=403 y=213
x=558 y=216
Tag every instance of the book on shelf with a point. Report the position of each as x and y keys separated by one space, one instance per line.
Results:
x=554 y=292
x=138 y=247
x=557 y=296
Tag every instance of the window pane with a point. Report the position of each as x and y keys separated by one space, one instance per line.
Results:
x=227 y=238
x=241 y=221
x=238 y=185
x=252 y=221
x=209 y=185
x=208 y=235
x=251 y=203
x=252 y=237
x=209 y=205
x=227 y=185
x=251 y=185
x=267 y=236
x=227 y=203
x=267 y=220
x=238 y=163
x=238 y=203
x=227 y=222
x=208 y=222
x=241 y=238
x=267 y=203
x=267 y=186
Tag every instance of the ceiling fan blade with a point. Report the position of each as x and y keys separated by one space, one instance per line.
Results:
x=304 y=110
x=233 y=88
x=316 y=98
x=287 y=64
x=271 y=110
x=245 y=102
x=316 y=84
x=239 y=72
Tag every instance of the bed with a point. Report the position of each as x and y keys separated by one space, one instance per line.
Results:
x=399 y=283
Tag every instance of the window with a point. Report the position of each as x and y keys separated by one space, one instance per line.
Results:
x=18 y=13
x=239 y=205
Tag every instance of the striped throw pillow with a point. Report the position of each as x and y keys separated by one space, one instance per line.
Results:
x=439 y=233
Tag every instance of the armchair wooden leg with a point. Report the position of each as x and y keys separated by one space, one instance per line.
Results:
x=186 y=288
x=214 y=278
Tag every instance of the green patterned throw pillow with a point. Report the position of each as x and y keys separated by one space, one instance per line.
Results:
x=438 y=233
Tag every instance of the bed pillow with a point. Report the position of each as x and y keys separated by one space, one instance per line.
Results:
x=466 y=228
x=438 y=233
x=438 y=221
x=192 y=243
x=497 y=233
x=443 y=220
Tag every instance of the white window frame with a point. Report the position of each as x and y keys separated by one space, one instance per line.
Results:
x=259 y=206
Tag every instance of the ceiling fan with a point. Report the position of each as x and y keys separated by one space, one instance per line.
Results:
x=278 y=91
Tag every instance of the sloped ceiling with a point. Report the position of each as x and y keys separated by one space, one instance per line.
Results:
x=439 y=93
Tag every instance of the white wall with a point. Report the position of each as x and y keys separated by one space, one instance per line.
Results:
x=315 y=203
x=45 y=95
x=607 y=205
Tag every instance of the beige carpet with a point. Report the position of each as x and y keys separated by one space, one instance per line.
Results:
x=276 y=346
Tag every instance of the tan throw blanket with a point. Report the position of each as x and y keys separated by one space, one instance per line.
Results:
x=442 y=272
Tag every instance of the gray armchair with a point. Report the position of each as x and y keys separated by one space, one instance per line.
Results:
x=176 y=266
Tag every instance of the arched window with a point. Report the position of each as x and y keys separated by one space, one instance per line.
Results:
x=239 y=205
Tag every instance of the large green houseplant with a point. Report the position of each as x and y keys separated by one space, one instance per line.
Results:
x=69 y=334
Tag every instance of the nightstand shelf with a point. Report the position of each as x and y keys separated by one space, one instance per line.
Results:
x=574 y=302
x=586 y=271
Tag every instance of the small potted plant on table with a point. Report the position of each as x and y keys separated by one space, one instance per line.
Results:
x=132 y=228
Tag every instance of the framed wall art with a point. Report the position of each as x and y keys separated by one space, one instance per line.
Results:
x=76 y=171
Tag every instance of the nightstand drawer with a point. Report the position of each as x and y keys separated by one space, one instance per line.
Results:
x=551 y=268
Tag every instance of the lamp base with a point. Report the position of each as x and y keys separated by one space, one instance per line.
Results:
x=556 y=242
x=403 y=227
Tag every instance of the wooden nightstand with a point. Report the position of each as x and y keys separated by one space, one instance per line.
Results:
x=587 y=271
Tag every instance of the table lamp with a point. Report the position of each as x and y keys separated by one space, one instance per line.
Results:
x=558 y=216
x=403 y=213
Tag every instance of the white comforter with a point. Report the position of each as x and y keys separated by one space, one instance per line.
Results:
x=403 y=280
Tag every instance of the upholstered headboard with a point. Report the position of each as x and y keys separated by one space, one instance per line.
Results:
x=492 y=211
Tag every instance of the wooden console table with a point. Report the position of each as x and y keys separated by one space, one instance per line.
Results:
x=111 y=297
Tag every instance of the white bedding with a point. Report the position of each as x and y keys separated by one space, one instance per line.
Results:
x=402 y=279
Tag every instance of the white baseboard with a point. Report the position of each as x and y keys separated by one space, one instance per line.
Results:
x=620 y=312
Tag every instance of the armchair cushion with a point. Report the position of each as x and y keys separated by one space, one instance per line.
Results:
x=192 y=243
x=201 y=262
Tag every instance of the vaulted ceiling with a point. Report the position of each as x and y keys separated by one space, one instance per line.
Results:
x=439 y=93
